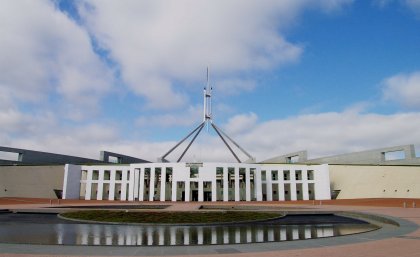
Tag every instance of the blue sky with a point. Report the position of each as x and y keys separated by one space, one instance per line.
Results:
x=328 y=76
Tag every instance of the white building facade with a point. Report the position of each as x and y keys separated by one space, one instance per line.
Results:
x=197 y=182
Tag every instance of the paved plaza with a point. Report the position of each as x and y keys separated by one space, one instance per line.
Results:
x=389 y=241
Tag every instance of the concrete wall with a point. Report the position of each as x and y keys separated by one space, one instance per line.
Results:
x=42 y=158
x=31 y=181
x=362 y=181
x=373 y=157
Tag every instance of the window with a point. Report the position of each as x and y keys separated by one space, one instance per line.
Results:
x=393 y=155
x=231 y=172
x=263 y=175
x=114 y=159
x=9 y=156
x=107 y=175
x=275 y=174
x=118 y=175
x=95 y=175
x=293 y=159
x=298 y=175
x=310 y=175
x=286 y=174
x=193 y=172
x=219 y=173
x=84 y=174
x=242 y=175
x=168 y=175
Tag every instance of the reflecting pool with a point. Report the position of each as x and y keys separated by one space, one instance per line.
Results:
x=48 y=229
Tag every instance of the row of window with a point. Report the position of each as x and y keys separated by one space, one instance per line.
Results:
x=107 y=175
x=286 y=175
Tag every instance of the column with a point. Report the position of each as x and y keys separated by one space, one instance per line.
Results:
x=200 y=191
x=124 y=185
x=88 y=184
x=141 y=184
x=269 y=186
x=258 y=184
x=136 y=183
x=293 y=196
x=111 y=195
x=152 y=184
x=162 y=184
x=131 y=187
x=237 y=184
x=100 y=184
x=88 y=190
x=214 y=190
x=281 y=187
x=225 y=185
x=247 y=185
x=174 y=188
x=187 y=190
x=305 y=188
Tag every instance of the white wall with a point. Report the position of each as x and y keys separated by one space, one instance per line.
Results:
x=71 y=183
x=133 y=181
x=363 y=181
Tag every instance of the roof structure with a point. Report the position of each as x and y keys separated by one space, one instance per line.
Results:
x=209 y=123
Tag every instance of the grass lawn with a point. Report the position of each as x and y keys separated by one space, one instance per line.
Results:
x=169 y=217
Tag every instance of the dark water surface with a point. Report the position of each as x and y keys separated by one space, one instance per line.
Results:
x=49 y=229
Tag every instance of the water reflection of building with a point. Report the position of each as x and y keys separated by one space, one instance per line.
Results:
x=189 y=235
x=197 y=182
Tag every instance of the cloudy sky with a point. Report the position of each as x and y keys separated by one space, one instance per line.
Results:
x=327 y=76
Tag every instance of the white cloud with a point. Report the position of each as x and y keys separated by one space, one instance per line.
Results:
x=193 y=115
x=241 y=123
x=414 y=5
x=43 y=53
x=157 y=42
x=321 y=134
x=382 y=3
x=403 y=89
x=332 y=133
x=234 y=86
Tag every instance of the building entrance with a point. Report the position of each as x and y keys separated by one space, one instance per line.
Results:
x=207 y=196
